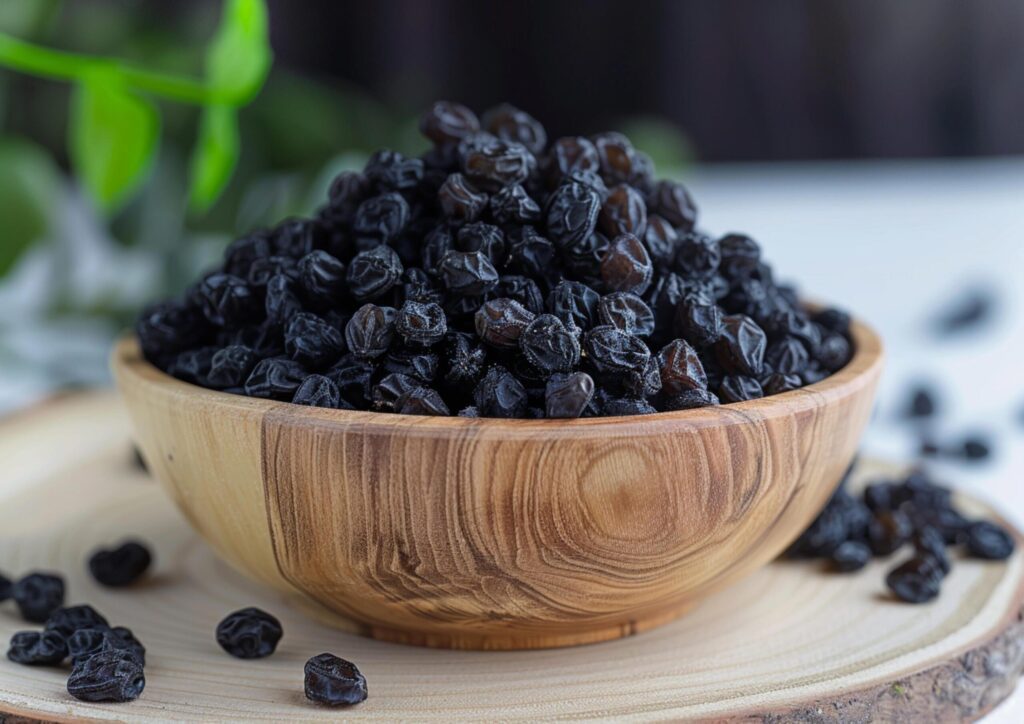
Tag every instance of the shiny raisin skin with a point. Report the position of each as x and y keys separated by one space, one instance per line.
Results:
x=448 y=122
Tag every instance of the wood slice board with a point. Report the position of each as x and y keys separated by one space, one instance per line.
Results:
x=790 y=643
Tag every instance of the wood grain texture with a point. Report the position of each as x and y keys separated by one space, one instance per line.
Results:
x=499 y=534
x=787 y=643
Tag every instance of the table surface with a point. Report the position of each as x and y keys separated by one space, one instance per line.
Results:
x=894 y=241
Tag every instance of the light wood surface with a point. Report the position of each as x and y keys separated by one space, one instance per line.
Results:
x=499 y=534
x=788 y=643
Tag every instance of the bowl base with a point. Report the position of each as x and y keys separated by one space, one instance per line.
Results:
x=470 y=641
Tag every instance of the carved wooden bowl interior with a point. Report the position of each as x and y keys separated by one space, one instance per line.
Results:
x=499 y=534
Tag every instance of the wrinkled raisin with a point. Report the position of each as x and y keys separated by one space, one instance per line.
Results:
x=37 y=648
x=249 y=633
x=334 y=681
x=114 y=675
x=38 y=595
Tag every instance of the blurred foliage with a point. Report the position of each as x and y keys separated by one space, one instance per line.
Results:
x=114 y=127
x=234 y=171
x=26 y=186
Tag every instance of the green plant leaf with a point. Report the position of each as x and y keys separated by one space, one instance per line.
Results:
x=28 y=188
x=214 y=156
x=112 y=138
x=239 y=57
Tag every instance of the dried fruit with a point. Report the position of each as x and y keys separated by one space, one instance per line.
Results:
x=626 y=267
x=850 y=556
x=37 y=648
x=918 y=580
x=38 y=595
x=370 y=331
x=989 y=541
x=319 y=391
x=419 y=275
x=275 y=378
x=121 y=566
x=567 y=396
x=549 y=346
x=249 y=633
x=87 y=642
x=334 y=681
x=114 y=675
x=501 y=322
x=67 y=620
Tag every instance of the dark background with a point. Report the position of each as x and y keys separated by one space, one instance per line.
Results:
x=745 y=79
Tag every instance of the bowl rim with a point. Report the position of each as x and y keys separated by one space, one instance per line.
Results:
x=863 y=369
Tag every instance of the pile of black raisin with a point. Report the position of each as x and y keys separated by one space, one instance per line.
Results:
x=498 y=275
x=107 y=661
x=891 y=514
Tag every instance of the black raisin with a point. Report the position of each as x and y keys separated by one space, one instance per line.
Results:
x=38 y=595
x=275 y=378
x=333 y=681
x=381 y=219
x=850 y=556
x=391 y=170
x=460 y=200
x=468 y=273
x=226 y=300
x=114 y=675
x=37 y=648
x=989 y=541
x=373 y=273
x=741 y=346
x=626 y=267
x=494 y=163
x=627 y=312
x=888 y=531
x=623 y=212
x=739 y=388
x=567 y=396
x=120 y=566
x=249 y=633
x=508 y=123
x=672 y=201
x=918 y=580
x=370 y=331
x=500 y=322
x=319 y=391
x=87 y=642
x=421 y=401
x=680 y=368
x=571 y=213
x=549 y=346
x=500 y=394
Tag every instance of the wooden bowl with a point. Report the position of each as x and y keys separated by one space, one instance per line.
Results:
x=499 y=534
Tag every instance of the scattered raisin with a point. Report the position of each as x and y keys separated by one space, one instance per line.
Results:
x=249 y=633
x=333 y=681
x=38 y=595
x=113 y=675
x=121 y=566
x=37 y=648
x=989 y=541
